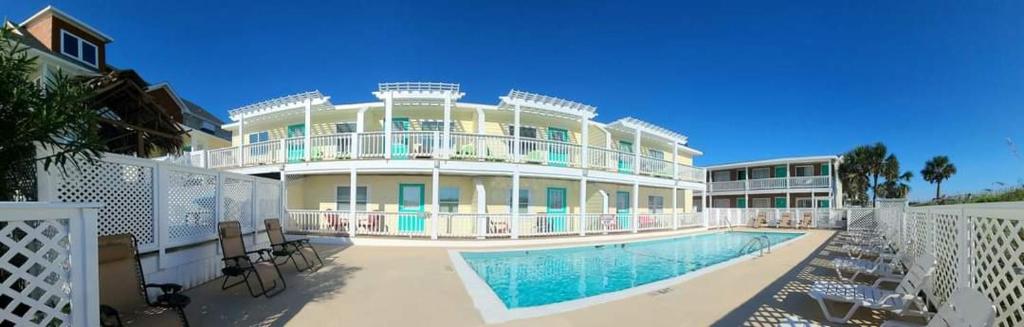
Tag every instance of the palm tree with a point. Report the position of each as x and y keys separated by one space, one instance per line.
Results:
x=897 y=188
x=937 y=170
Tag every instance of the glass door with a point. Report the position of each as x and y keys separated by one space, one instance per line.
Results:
x=555 y=220
x=625 y=165
x=410 y=208
x=399 y=138
x=622 y=209
x=296 y=150
x=558 y=153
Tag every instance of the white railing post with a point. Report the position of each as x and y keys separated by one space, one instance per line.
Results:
x=437 y=144
x=161 y=212
x=964 y=231
x=675 y=205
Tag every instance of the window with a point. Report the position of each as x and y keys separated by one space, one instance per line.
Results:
x=524 y=201
x=410 y=197
x=525 y=131
x=655 y=204
x=761 y=203
x=822 y=203
x=449 y=199
x=558 y=134
x=759 y=173
x=720 y=176
x=436 y=125
x=804 y=203
x=208 y=127
x=805 y=170
x=655 y=154
x=720 y=203
x=343 y=198
x=741 y=175
x=77 y=48
x=347 y=127
x=259 y=137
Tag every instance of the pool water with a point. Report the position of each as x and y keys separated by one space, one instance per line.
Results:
x=527 y=278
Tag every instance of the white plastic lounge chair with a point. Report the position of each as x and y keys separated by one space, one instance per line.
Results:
x=967 y=307
x=858 y=251
x=897 y=301
x=883 y=266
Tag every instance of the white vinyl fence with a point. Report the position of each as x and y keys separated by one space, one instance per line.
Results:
x=48 y=264
x=977 y=245
x=171 y=209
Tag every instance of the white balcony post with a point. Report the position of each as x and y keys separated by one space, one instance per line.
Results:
x=515 y=203
x=352 y=191
x=241 y=138
x=481 y=207
x=636 y=207
x=583 y=205
x=435 y=206
x=438 y=152
x=636 y=151
x=357 y=144
x=446 y=144
x=786 y=181
x=305 y=134
x=675 y=160
x=746 y=184
x=515 y=136
x=584 y=143
x=480 y=132
x=285 y=217
x=388 y=106
x=704 y=205
x=282 y=156
x=675 y=205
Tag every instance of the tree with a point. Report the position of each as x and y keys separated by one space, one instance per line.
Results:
x=52 y=114
x=853 y=174
x=937 y=170
x=897 y=188
x=862 y=167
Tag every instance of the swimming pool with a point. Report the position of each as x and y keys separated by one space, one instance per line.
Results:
x=531 y=278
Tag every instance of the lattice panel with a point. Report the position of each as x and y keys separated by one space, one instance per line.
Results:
x=997 y=242
x=238 y=202
x=125 y=190
x=35 y=276
x=268 y=202
x=892 y=203
x=192 y=206
x=948 y=254
x=861 y=219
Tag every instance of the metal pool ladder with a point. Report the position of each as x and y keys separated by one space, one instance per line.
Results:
x=762 y=243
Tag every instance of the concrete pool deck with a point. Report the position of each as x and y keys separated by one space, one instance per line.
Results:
x=417 y=286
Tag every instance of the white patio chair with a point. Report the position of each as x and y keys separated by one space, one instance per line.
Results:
x=897 y=301
x=965 y=308
x=890 y=266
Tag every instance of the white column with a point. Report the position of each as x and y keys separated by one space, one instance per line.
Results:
x=675 y=204
x=353 y=189
x=480 y=149
x=515 y=203
x=636 y=207
x=435 y=205
x=583 y=205
x=357 y=147
x=704 y=201
x=481 y=206
x=285 y=218
x=241 y=138
x=447 y=134
x=675 y=160
x=388 y=106
x=515 y=136
x=636 y=152
x=584 y=143
x=305 y=138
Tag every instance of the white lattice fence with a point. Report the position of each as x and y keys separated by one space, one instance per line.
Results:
x=861 y=219
x=48 y=265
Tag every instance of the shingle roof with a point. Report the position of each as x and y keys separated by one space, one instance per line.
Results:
x=199 y=111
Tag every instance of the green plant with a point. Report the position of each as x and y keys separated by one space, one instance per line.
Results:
x=937 y=170
x=52 y=115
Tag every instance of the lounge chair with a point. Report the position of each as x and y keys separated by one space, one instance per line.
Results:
x=883 y=266
x=761 y=220
x=787 y=220
x=124 y=294
x=966 y=307
x=238 y=263
x=897 y=301
x=292 y=250
x=806 y=220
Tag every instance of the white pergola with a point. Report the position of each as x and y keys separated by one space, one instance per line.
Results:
x=308 y=101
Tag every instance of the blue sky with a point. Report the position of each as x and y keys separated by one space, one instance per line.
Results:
x=744 y=80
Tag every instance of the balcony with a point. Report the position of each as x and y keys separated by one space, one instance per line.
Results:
x=775 y=183
x=459 y=146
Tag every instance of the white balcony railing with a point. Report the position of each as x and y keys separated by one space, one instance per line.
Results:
x=728 y=186
x=460 y=146
x=768 y=183
x=808 y=182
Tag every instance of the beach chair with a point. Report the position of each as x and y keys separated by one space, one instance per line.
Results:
x=239 y=263
x=787 y=220
x=897 y=301
x=124 y=293
x=291 y=250
x=966 y=307
x=883 y=266
x=761 y=219
x=806 y=220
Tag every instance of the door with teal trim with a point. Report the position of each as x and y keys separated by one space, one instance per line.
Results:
x=410 y=208
x=741 y=203
x=558 y=153
x=822 y=203
x=555 y=220
x=780 y=202
x=400 y=141
x=296 y=150
x=622 y=209
x=625 y=164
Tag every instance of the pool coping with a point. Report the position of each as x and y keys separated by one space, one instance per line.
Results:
x=492 y=310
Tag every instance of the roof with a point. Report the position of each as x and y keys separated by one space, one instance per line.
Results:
x=765 y=162
x=630 y=123
x=202 y=113
x=70 y=19
x=548 y=103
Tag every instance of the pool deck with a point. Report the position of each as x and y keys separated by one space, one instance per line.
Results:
x=417 y=286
